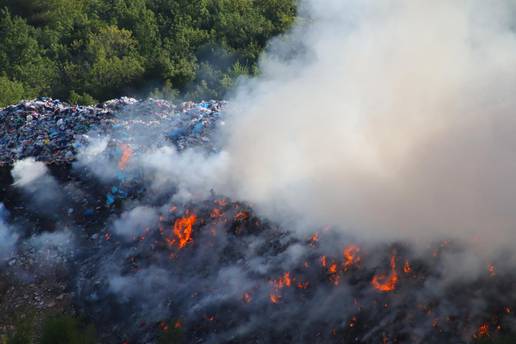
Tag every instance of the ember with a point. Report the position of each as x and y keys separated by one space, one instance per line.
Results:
x=483 y=330
x=247 y=298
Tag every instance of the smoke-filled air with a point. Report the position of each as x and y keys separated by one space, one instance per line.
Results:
x=395 y=121
x=355 y=184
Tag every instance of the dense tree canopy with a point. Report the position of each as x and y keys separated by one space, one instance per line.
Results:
x=93 y=50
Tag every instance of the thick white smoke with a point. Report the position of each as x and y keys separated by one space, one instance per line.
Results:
x=39 y=187
x=8 y=237
x=27 y=171
x=395 y=122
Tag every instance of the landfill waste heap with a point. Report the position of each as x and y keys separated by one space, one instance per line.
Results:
x=52 y=131
x=86 y=231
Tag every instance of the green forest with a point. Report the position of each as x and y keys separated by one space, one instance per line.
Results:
x=88 y=51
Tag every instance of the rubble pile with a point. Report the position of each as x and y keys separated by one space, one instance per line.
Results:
x=53 y=131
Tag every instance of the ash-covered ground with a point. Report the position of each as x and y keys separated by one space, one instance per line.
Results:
x=125 y=234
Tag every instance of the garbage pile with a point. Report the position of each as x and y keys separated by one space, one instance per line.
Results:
x=53 y=131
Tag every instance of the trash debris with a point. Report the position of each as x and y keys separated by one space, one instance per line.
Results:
x=52 y=131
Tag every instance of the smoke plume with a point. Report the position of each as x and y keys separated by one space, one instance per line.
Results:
x=394 y=122
x=39 y=187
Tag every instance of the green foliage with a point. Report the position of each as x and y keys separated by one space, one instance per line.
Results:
x=10 y=91
x=165 y=92
x=67 y=330
x=87 y=50
x=81 y=99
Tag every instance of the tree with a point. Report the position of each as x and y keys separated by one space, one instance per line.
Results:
x=10 y=91
x=21 y=56
x=109 y=63
x=89 y=50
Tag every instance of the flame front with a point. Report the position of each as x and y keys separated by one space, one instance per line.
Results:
x=127 y=152
x=386 y=283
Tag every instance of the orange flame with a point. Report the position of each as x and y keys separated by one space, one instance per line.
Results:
x=282 y=282
x=386 y=283
x=351 y=256
x=333 y=268
x=274 y=298
x=127 y=152
x=287 y=280
x=183 y=230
